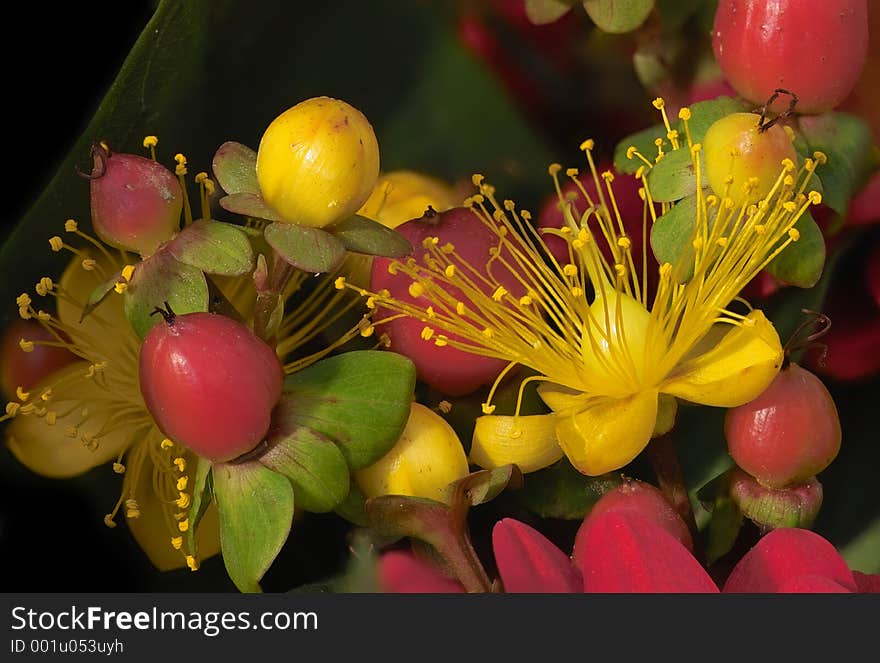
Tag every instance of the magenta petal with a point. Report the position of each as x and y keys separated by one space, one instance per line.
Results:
x=401 y=572
x=811 y=584
x=622 y=552
x=784 y=555
x=867 y=583
x=529 y=563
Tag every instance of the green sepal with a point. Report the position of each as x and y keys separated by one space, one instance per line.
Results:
x=724 y=528
x=201 y=490
x=673 y=177
x=560 y=491
x=485 y=485
x=213 y=247
x=249 y=204
x=162 y=278
x=643 y=141
x=672 y=236
x=618 y=16
x=541 y=12
x=255 y=506
x=363 y=235
x=311 y=461
x=361 y=400
x=99 y=294
x=309 y=249
x=235 y=167
x=352 y=507
x=801 y=262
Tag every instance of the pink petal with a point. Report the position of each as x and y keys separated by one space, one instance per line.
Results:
x=402 y=572
x=783 y=556
x=811 y=584
x=867 y=583
x=529 y=563
x=626 y=552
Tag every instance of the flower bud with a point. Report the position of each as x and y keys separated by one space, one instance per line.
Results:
x=317 y=162
x=769 y=508
x=424 y=461
x=529 y=563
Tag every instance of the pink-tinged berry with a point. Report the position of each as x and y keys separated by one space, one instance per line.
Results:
x=815 y=48
x=24 y=365
x=136 y=202
x=209 y=383
x=638 y=498
x=789 y=433
x=447 y=369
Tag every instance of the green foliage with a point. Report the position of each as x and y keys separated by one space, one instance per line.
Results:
x=618 y=16
x=213 y=247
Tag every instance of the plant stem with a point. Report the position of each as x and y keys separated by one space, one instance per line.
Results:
x=664 y=460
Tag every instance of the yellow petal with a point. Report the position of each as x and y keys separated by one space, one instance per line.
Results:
x=562 y=399
x=735 y=371
x=49 y=451
x=527 y=441
x=150 y=529
x=424 y=461
x=609 y=433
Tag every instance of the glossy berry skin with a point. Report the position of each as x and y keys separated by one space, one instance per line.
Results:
x=788 y=434
x=209 y=383
x=735 y=146
x=640 y=499
x=815 y=48
x=136 y=202
x=28 y=369
x=449 y=370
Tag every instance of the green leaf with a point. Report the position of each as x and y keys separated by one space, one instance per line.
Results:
x=313 y=464
x=249 y=204
x=162 y=278
x=202 y=496
x=618 y=16
x=672 y=235
x=673 y=177
x=541 y=12
x=361 y=400
x=235 y=167
x=643 y=141
x=485 y=485
x=255 y=506
x=352 y=507
x=560 y=491
x=309 y=249
x=846 y=141
x=801 y=262
x=705 y=113
x=363 y=235
x=727 y=520
x=213 y=247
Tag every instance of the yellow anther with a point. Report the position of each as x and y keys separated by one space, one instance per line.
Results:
x=183 y=501
x=166 y=444
x=815 y=197
x=46 y=395
x=487 y=409
x=371 y=303
x=150 y=141
x=449 y=271
x=120 y=287
x=571 y=172
x=631 y=152
x=12 y=409
x=728 y=203
x=509 y=205
x=760 y=229
x=697 y=243
x=696 y=147
x=209 y=187
x=56 y=244
x=460 y=308
x=430 y=242
x=499 y=293
x=447 y=248
x=752 y=183
x=789 y=132
x=672 y=135
x=339 y=283
x=180 y=159
x=21 y=394
x=794 y=234
x=71 y=226
x=659 y=103
x=788 y=180
x=182 y=483
x=477 y=179
x=119 y=468
x=46 y=285
x=789 y=206
x=820 y=157
x=488 y=332
x=445 y=407
x=684 y=113
x=427 y=333
x=192 y=563
x=565 y=230
x=42 y=315
x=367 y=330
x=127 y=272
x=108 y=521
x=624 y=242
x=88 y=264
x=416 y=289
x=608 y=176
x=577 y=291
x=132 y=510
x=525 y=300
x=183 y=525
x=180 y=170
x=70 y=431
x=201 y=177
x=441 y=341
x=787 y=165
x=554 y=168
x=619 y=269
x=23 y=300
x=51 y=418
x=28 y=408
x=570 y=270
x=526 y=215
x=177 y=542
x=25 y=345
x=721 y=241
x=24 y=313
x=180 y=463
x=587 y=145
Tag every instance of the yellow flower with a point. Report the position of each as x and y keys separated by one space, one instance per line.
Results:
x=402 y=195
x=424 y=461
x=317 y=162
x=603 y=349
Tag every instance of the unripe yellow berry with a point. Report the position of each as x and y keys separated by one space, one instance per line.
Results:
x=317 y=162
x=424 y=461
x=403 y=195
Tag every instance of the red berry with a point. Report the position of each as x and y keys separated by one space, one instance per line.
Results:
x=815 y=48
x=640 y=499
x=447 y=369
x=27 y=369
x=136 y=202
x=209 y=383
x=789 y=433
